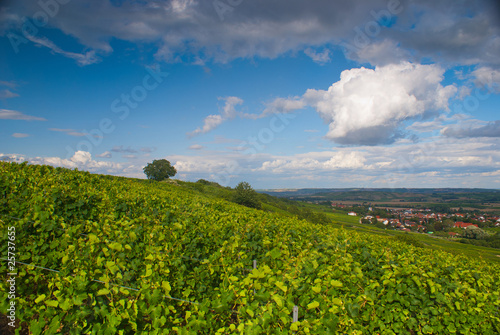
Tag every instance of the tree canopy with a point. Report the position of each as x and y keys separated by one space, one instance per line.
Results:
x=245 y=195
x=159 y=169
x=474 y=232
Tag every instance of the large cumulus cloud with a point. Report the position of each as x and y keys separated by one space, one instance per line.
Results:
x=368 y=106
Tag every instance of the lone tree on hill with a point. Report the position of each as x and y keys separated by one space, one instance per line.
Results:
x=245 y=195
x=159 y=169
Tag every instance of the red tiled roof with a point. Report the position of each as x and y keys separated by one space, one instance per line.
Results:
x=463 y=224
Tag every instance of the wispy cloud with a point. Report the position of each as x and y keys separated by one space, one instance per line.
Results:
x=487 y=77
x=196 y=147
x=278 y=106
x=473 y=128
x=213 y=121
x=7 y=114
x=20 y=135
x=82 y=59
x=121 y=149
x=7 y=94
x=218 y=139
x=148 y=149
x=9 y=84
x=70 y=132
x=318 y=57
x=105 y=154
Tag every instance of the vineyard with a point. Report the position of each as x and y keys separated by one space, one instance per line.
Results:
x=109 y=255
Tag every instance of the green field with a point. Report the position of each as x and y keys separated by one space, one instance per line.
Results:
x=108 y=255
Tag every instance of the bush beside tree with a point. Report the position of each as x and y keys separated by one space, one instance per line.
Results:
x=245 y=195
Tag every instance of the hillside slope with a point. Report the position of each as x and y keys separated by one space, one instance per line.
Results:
x=109 y=254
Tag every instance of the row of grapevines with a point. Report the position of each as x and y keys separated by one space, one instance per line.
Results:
x=154 y=258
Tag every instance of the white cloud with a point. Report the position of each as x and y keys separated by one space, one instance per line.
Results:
x=382 y=53
x=229 y=111
x=81 y=157
x=196 y=147
x=209 y=123
x=426 y=126
x=278 y=106
x=213 y=121
x=218 y=139
x=473 y=128
x=463 y=92
x=488 y=78
x=199 y=164
x=368 y=106
x=7 y=114
x=9 y=84
x=7 y=94
x=121 y=149
x=148 y=149
x=70 y=132
x=20 y=135
x=81 y=160
x=82 y=59
x=318 y=57
x=346 y=160
x=105 y=154
x=304 y=163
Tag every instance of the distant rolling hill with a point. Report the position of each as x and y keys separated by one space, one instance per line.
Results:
x=458 y=196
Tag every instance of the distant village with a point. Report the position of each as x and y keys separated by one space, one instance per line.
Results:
x=420 y=220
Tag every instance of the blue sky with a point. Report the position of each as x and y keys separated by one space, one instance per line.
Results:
x=282 y=94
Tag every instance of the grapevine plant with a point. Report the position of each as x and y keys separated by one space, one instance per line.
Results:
x=112 y=255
